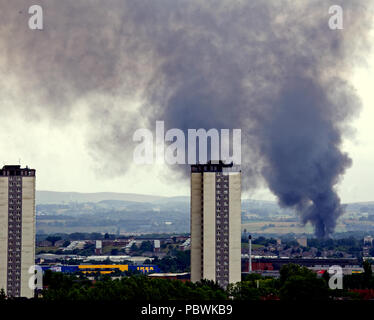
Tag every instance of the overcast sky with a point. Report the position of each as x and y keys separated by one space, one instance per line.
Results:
x=62 y=155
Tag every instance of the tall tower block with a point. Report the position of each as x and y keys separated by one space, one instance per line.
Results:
x=17 y=229
x=216 y=222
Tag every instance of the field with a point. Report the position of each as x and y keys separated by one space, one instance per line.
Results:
x=275 y=227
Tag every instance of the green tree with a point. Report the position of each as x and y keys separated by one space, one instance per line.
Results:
x=135 y=287
x=53 y=239
x=371 y=252
x=254 y=287
x=367 y=269
x=244 y=291
x=368 y=275
x=146 y=246
x=300 y=283
x=2 y=295
x=326 y=277
x=66 y=243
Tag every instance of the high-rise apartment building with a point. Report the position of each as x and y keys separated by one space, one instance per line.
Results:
x=216 y=222
x=17 y=229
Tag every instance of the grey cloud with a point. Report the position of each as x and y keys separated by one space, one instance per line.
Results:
x=272 y=68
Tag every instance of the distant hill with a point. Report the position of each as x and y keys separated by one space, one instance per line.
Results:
x=53 y=197
x=70 y=212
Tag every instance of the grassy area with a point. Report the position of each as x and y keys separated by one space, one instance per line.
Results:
x=46 y=249
x=254 y=246
x=282 y=227
x=108 y=249
x=277 y=227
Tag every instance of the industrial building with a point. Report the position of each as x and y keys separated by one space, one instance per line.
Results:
x=349 y=265
x=101 y=268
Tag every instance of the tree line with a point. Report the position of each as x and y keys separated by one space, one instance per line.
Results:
x=295 y=283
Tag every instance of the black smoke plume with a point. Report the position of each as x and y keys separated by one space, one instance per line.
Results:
x=272 y=68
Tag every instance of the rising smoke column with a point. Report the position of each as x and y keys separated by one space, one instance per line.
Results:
x=301 y=141
x=281 y=77
x=272 y=68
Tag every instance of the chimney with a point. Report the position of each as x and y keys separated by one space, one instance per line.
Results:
x=249 y=253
